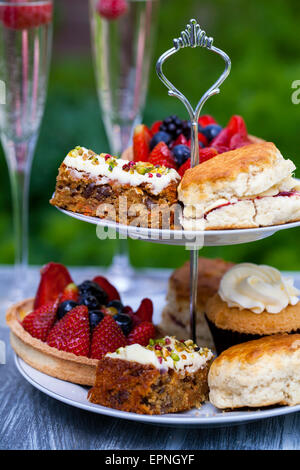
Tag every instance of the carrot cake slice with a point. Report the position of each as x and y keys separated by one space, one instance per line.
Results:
x=167 y=376
x=135 y=193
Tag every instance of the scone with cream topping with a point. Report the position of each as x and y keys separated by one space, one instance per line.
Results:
x=167 y=376
x=248 y=187
x=252 y=301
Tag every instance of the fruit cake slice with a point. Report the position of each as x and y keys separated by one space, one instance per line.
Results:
x=135 y=193
x=167 y=376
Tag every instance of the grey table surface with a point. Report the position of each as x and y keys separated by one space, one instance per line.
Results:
x=30 y=420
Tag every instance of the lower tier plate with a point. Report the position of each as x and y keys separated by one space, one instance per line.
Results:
x=206 y=416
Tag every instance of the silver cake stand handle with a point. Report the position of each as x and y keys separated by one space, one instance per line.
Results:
x=193 y=36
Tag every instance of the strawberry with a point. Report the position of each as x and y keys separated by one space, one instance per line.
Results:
x=162 y=155
x=155 y=127
x=221 y=141
x=181 y=140
x=238 y=140
x=54 y=278
x=237 y=125
x=111 y=291
x=142 y=333
x=70 y=292
x=141 y=140
x=39 y=322
x=202 y=139
x=184 y=167
x=72 y=332
x=107 y=337
x=111 y=9
x=145 y=310
x=205 y=120
x=25 y=16
x=206 y=154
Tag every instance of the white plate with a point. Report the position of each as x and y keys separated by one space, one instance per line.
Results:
x=185 y=237
x=206 y=416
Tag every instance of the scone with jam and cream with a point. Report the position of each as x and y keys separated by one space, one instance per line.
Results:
x=167 y=376
x=252 y=301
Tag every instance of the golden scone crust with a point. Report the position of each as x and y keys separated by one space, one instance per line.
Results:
x=228 y=165
x=262 y=372
x=245 y=321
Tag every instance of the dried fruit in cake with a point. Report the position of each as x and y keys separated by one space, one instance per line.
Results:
x=112 y=9
x=145 y=310
x=111 y=291
x=107 y=337
x=141 y=143
x=54 y=278
x=72 y=332
x=162 y=155
x=25 y=16
x=39 y=322
x=142 y=334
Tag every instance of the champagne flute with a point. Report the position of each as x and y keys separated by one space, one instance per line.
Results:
x=122 y=49
x=25 y=45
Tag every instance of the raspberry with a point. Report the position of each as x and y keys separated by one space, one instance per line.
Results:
x=112 y=9
x=25 y=16
x=72 y=332
x=107 y=337
x=39 y=322
x=142 y=333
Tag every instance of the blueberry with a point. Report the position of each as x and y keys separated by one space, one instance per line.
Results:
x=92 y=288
x=124 y=321
x=90 y=301
x=160 y=137
x=117 y=304
x=181 y=154
x=95 y=316
x=65 y=307
x=211 y=131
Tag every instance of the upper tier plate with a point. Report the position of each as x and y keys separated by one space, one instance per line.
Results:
x=185 y=238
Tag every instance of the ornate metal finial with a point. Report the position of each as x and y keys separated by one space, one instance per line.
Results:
x=193 y=36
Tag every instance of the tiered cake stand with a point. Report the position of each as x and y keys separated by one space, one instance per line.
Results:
x=207 y=416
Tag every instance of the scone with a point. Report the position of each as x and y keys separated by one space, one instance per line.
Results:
x=258 y=373
x=252 y=301
x=176 y=314
x=167 y=376
x=249 y=187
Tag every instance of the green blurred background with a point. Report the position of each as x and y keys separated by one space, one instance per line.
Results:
x=262 y=40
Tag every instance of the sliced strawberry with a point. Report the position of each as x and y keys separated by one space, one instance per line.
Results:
x=111 y=291
x=237 y=125
x=238 y=140
x=202 y=139
x=70 y=292
x=112 y=9
x=127 y=310
x=155 y=127
x=54 y=278
x=107 y=337
x=142 y=334
x=162 y=155
x=72 y=332
x=141 y=140
x=206 y=119
x=145 y=310
x=181 y=140
x=206 y=154
x=25 y=16
x=39 y=322
x=184 y=167
x=221 y=141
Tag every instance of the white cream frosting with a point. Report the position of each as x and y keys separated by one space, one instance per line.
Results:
x=257 y=288
x=173 y=355
x=96 y=165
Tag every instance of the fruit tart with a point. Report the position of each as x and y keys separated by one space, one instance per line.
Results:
x=67 y=328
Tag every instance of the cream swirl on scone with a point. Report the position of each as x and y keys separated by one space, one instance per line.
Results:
x=257 y=288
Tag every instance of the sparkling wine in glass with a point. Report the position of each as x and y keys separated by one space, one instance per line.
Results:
x=25 y=45
x=122 y=48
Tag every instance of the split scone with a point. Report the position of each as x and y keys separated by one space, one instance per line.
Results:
x=176 y=314
x=249 y=187
x=258 y=373
x=167 y=376
x=130 y=193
